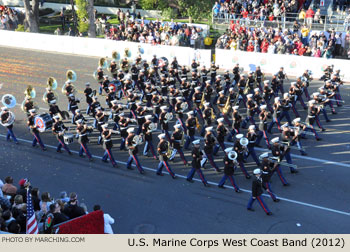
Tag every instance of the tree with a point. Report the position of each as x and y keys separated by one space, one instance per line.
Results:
x=91 y=14
x=31 y=15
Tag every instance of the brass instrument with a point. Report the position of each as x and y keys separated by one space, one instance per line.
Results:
x=184 y=106
x=246 y=89
x=168 y=117
x=213 y=116
x=30 y=91
x=103 y=63
x=198 y=126
x=232 y=155
x=152 y=127
x=170 y=150
x=8 y=100
x=52 y=83
x=10 y=120
x=244 y=142
x=182 y=142
x=288 y=146
x=127 y=53
x=277 y=160
x=71 y=76
x=137 y=140
x=334 y=100
x=227 y=106
x=202 y=101
x=115 y=55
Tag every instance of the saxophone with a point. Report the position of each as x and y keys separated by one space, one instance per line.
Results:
x=170 y=151
x=227 y=106
x=213 y=116
x=202 y=102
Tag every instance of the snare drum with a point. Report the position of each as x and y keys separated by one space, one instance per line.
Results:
x=68 y=138
x=43 y=122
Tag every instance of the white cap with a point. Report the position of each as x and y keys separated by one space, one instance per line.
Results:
x=207 y=82
x=190 y=113
x=284 y=125
x=104 y=125
x=163 y=107
x=80 y=121
x=222 y=92
x=98 y=108
x=266 y=81
x=196 y=141
x=321 y=88
x=285 y=95
x=32 y=111
x=239 y=136
x=77 y=111
x=231 y=89
x=207 y=104
x=4 y=108
x=251 y=127
x=179 y=98
x=130 y=130
x=293 y=83
x=257 y=171
x=87 y=84
x=235 y=107
x=227 y=150
x=277 y=99
x=316 y=94
x=275 y=140
x=71 y=95
x=56 y=117
x=296 y=120
x=177 y=126
x=209 y=128
x=53 y=102
x=218 y=76
x=148 y=117
x=264 y=155
x=311 y=102
x=114 y=102
x=220 y=120
x=161 y=136
x=249 y=96
x=111 y=87
x=263 y=107
x=197 y=88
x=256 y=89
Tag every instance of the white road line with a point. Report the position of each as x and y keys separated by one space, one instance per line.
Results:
x=213 y=183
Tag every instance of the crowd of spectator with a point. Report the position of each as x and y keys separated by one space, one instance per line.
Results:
x=254 y=9
x=9 y=18
x=13 y=207
x=298 y=41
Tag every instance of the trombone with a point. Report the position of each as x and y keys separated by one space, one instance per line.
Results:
x=277 y=160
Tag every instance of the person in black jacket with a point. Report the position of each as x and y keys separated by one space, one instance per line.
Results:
x=72 y=209
x=229 y=170
x=196 y=163
x=268 y=169
x=257 y=192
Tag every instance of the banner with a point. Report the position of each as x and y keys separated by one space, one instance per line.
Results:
x=270 y=63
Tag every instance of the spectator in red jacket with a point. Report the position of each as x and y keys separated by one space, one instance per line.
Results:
x=264 y=45
x=309 y=16
x=301 y=50
x=250 y=47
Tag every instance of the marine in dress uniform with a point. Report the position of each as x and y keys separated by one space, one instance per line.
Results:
x=58 y=129
x=239 y=149
x=267 y=169
x=263 y=116
x=280 y=151
x=88 y=92
x=221 y=132
x=209 y=143
x=191 y=123
x=107 y=145
x=257 y=192
x=133 y=150
x=252 y=138
x=4 y=119
x=148 y=137
x=196 y=163
x=177 y=140
x=82 y=131
x=34 y=130
x=277 y=108
x=236 y=125
x=251 y=109
x=163 y=148
x=277 y=152
x=229 y=170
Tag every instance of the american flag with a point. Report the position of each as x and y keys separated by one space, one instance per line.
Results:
x=32 y=225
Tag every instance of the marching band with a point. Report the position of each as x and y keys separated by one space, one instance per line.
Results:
x=155 y=92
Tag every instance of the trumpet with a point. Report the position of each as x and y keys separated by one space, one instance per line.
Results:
x=334 y=100
x=290 y=147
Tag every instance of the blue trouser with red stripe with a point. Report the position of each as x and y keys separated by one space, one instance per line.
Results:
x=200 y=173
x=270 y=192
x=261 y=203
x=108 y=154
x=277 y=121
x=251 y=151
x=83 y=148
x=262 y=134
x=167 y=166
x=36 y=140
x=280 y=174
x=137 y=163
x=11 y=134
x=232 y=180
x=245 y=172
x=62 y=144
x=217 y=147
x=285 y=114
x=149 y=146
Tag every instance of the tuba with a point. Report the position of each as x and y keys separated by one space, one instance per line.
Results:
x=127 y=53
x=103 y=63
x=71 y=76
x=244 y=141
x=30 y=91
x=168 y=117
x=115 y=55
x=8 y=100
x=52 y=83
x=232 y=155
x=10 y=120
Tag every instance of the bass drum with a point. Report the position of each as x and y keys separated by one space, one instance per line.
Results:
x=162 y=62
x=43 y=122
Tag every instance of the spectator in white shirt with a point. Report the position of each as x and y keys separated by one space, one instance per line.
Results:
x=108 y=220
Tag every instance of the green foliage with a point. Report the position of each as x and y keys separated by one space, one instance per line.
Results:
x=154 y=4
x=20 y=28
x=169 y=13
x=82 y=14
x=196 y=10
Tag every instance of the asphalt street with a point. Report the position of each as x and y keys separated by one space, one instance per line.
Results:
x=317 y=201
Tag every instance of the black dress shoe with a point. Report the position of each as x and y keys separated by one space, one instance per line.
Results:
x=238 y=191
x=269 y=213
x=130 y=168
x=142 y=172
x=247 y=177
x=70 y=153
x=287 y=184
x=276 y=200
x=221 y=186
x=160 y=174
x=294 y=171
x=104 y=161
x=82 y=156
x=250 y=209
x=190 y=180
x=318 y=139
x=59 y=151
x=206 y=185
